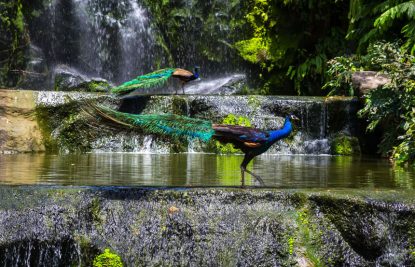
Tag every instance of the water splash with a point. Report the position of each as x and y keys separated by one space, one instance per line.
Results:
x=217 y=86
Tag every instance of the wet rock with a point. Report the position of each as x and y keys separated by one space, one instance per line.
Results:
x=68 y=124
x=364 y=81
x=34 y=77
x=19 y=129
x=215 y=227
x=69 y=79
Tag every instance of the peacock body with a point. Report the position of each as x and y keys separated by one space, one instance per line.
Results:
x=251 y=141
x=156 y=78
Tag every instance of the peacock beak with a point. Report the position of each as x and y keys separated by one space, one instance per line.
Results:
x=198 y=79
x=294 y=118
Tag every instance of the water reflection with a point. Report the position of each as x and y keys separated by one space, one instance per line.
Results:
x=201 y=170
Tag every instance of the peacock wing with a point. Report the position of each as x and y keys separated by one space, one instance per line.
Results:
x=178 y=73
x=240 y=133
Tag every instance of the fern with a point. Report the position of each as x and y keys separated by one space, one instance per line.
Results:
x=389 y=17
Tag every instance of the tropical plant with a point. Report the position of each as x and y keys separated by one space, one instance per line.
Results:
x=390 y=107
x=339 y=73
x=294 y=39
x=372 y=20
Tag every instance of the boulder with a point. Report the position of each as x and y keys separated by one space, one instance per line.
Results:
x=364 y=81
x=69 y=79
x=35 y=76
x=19 y=129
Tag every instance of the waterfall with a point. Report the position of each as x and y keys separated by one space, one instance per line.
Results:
x=109 y=39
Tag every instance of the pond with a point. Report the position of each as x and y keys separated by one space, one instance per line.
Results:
x=201 y=170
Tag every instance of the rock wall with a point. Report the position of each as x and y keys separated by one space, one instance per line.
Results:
x=19 y=128
x=206 y=227
x=64 y=123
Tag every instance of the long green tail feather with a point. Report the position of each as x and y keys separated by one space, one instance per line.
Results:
x=156 y=78
x=164 y=124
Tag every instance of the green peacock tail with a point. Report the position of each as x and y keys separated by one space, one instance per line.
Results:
x=156 y=78
x=163 y=124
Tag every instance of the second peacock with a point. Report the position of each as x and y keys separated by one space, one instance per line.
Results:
x=157 y=78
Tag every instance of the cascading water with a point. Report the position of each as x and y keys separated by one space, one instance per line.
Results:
x=117 y=39
x=110 y=39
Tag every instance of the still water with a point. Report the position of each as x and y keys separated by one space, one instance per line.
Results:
x=125 y=169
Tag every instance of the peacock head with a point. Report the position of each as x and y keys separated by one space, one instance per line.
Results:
x=292 y=117
x=196 y=72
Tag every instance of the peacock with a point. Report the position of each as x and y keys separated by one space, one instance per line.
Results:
x=157 y=78
x=251 y=141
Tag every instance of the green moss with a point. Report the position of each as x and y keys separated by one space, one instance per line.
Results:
x=97 y=86
x=43 y=117
x=107 y=259
x=254 y=102
x=232 y=120
x=345 y=145
x=95 y=209
x=291 y=245
x=308 y=237
x=179 y=105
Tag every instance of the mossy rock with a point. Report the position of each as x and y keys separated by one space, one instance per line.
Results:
x=345 y=145
x=68 y=79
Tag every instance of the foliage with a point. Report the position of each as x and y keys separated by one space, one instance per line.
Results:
x=232 y=119
x=107 y=259
x=253 y=50
x=340 y=76
x=390 y=107
x=345 y=145
x=382 y=20
x=294 y=39
x=13 y=39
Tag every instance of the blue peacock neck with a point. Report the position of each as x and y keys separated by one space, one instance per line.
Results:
x=196 y=73
x=281 y=133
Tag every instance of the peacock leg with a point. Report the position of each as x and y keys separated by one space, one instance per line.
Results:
x=256 y=177
x=183 y=87
x=244 y=164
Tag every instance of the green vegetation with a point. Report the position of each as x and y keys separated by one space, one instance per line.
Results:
x=107 y=259
x=345 y=145
x=391 y=107
x=13 y=39
x=308 y=237
x=296 y=38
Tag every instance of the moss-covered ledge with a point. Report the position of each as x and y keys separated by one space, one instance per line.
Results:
x=208 y=227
